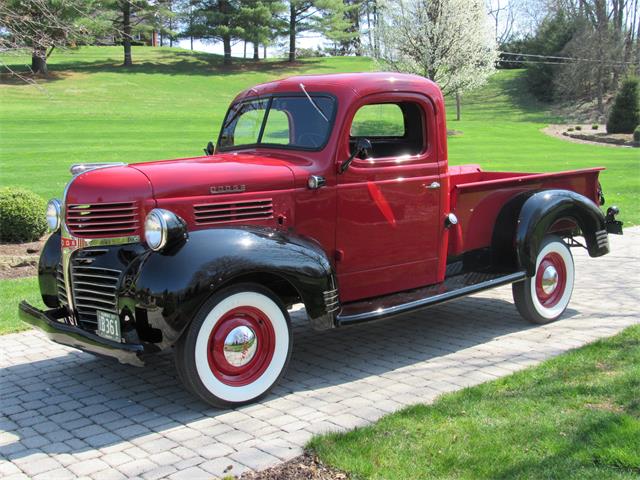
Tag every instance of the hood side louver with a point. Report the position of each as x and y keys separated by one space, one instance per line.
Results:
x=238 y=211
x=101 y=220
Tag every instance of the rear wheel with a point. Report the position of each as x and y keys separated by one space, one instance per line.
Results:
x=544 y=297
x=237 y=347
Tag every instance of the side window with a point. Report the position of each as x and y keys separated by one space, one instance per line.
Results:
x=394 y=129
x=378 y=120
x=248 y=125
x=276 y=131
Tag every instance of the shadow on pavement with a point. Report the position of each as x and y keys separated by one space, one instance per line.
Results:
x=77 y=402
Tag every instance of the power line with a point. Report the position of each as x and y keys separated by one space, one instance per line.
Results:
x=570 y=59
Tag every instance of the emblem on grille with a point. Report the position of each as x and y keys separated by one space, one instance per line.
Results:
x=217 y=189
x=72 y=243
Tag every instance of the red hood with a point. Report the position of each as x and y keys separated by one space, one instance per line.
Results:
x=195 y=176
x=109 y=185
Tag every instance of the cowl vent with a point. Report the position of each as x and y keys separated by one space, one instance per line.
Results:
x=239 y=211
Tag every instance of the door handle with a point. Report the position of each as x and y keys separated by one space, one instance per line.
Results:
x=433 y=186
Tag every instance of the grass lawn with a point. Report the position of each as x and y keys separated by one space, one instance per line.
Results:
x=172 y=102
x=12 y=292
x=576 y=416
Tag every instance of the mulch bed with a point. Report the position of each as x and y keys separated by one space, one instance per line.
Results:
x=305 y=467
x=590 y=136
x=20 y=259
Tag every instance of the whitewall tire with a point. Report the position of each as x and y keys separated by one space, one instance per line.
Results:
x=544 y=297
x=237 y=347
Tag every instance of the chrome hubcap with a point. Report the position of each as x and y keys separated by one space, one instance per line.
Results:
x=549 y=279
x=240 y=346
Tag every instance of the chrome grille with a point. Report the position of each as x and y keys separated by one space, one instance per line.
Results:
x=101 y=220
x=94 y=288
x=62 y=291
x=212 y=213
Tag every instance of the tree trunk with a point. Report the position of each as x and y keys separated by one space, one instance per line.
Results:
x=256 y=51
x=292 y=32
x=226 y=42
x=369 y=27
x=191 y=25
x=458 y=106
x=126 y=32
x=170 y=28
x=245 y=49
x=264 y=50
x=39 y=60
x=376 y=33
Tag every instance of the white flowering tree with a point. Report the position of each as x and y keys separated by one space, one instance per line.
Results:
x=448 y=41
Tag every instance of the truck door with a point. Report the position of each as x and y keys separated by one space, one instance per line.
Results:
x=388 y=213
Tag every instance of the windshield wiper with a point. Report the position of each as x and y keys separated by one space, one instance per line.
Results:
x=315 y=105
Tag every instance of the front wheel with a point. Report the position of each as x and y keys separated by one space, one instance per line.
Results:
x=545 y=296
x=237 y=347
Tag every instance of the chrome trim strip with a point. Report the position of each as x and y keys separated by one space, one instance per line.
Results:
x=67 y=252
x=331 y=302
x=80 y=168
x=431 y=300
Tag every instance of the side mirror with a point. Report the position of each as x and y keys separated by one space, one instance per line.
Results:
x=363 y=146
x=209 y=149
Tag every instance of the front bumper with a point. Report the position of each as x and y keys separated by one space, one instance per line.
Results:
x=71 y=336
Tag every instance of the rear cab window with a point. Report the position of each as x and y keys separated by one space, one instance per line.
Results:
x=394 y=129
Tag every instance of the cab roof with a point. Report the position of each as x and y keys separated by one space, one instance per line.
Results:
x=347 y=86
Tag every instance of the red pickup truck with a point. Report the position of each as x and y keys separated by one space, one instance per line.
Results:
x=332 y=191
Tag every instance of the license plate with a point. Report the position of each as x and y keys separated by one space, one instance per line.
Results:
x=109 y=326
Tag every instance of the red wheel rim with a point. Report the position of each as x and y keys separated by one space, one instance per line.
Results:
x=261 y=326
x=551 y=262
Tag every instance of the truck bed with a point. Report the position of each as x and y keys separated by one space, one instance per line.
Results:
x=476 y=198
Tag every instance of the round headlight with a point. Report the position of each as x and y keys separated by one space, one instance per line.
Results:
x=155 y=229
x=53 y=214
x=163 y=228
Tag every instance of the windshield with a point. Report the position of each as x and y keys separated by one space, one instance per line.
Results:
x=283 y=121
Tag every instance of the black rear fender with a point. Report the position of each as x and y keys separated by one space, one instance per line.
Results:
x=542 y=210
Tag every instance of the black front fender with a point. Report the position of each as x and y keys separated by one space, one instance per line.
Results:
x=541 y=210
x=50 y=258
x=172 y=286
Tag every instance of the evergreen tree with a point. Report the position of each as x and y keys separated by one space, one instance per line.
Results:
x=260 y=22
x=131 y=17
x=625 y=113
x=217 y=20
x=43 y=25
x=323 y=16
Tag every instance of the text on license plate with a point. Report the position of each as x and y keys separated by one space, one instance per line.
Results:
x=109 y=325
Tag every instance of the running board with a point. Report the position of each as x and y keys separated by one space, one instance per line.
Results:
x=403 y=302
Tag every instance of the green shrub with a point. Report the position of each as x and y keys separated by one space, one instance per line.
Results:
x=570 y=129
x=636 y=134
x=22 y=215
x=578 y=127
x=625 y=113
x=594 y=126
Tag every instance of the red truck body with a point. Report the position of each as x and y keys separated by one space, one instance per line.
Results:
x=341 y=230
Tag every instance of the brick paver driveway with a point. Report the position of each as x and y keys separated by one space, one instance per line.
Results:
x=69 y=414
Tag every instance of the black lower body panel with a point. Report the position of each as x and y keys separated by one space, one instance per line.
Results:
x=404 y=302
